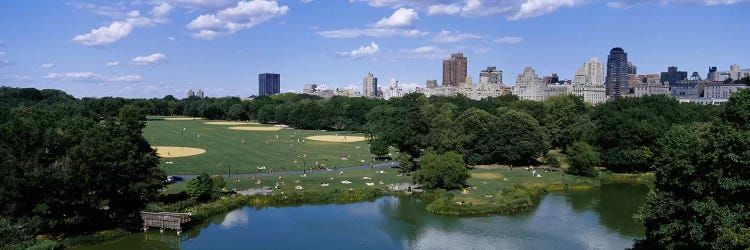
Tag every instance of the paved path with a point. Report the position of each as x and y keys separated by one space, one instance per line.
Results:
x=276 y=173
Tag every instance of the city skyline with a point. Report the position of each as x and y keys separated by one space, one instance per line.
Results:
x=155 y=48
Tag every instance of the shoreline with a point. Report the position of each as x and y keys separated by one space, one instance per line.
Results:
x=520 y=198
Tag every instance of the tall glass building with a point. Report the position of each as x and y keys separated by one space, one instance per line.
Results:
x=617 y=73
x=269 y=84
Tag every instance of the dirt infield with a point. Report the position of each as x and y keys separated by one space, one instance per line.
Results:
x=181 y=118
x=337 y=138
x=174 y=152
x=256 y=128
x=231 y=123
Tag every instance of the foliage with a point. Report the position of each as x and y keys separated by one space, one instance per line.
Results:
x=378 y=147
x=200 y=188
x=446 y=171
x=66 y=170
x=521 y=139
x=582 y=158
x=553 y=160
x=700 y=199
x=218 y=183
x=627 y=129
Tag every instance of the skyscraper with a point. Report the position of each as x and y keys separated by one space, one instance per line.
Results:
x=370 y=88
x=632 y=69
x=617 y=73
x=592 y=73
x=672 y=75
x=269 y=84
x=454 y=70
x=491 y=76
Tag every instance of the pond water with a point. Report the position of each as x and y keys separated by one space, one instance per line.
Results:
x=594 y=219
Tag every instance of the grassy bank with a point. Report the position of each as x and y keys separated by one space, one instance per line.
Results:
x=505 y=191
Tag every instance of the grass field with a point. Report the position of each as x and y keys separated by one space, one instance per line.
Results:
x=312 y=181
x=225 y=148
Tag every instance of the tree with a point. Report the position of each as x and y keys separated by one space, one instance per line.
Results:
x=378 y=147
x=237 y=112
x=520 y=138
x=582 y=159
x=200 y=188
x=700 y=199
x=447 y=171
x=102 y=169
x=479 y=137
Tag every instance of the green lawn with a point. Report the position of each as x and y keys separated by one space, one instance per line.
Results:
x=225 y=149
x=494 y=182
x=312 y=181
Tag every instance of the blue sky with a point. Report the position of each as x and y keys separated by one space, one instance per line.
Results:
x=153 y=48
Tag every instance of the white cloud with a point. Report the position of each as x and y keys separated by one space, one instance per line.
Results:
x=47 y=65
x=509 y=40
x=371 y=32
x=306 y=1
x=3 y=61
x=171 y=38
x=200 y=4
x=535 y=8
x=443 y=9
x=452 y=37
x=245 y=15
x=626 y=4
x=117 y=30
x=105 y=35
x=425 y=52
x=161 y=10
x=149 y=59
x=402 y=17
x=113 y=63
x=512 y=9
x=363 y=51
x=92 y=77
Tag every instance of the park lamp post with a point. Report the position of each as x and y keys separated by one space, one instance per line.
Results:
x=230 y=171
x=304 y=166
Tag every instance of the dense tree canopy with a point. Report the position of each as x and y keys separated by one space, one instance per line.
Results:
x=702 y=184
x=65 y=170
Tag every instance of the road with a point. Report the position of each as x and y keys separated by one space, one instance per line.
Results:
x=276 y=173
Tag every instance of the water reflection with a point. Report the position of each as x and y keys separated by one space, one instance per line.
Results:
x=235 y=218
x=615 y=204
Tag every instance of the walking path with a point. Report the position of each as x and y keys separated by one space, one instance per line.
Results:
x=276 y=173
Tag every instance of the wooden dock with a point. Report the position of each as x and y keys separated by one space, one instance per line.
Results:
x=164 y=220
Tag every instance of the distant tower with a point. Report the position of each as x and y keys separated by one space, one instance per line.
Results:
x=431 y=84
x=370 y=88
x=617 y=73
x=454 y=70
x=632 y=69
x=491 y=76
x=269 y=84
x=711 y=74
x=190 y=93
x=695 y=77
x=199 y=93
x=673 y=75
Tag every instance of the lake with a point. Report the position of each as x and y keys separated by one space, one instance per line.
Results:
x=593 y=219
